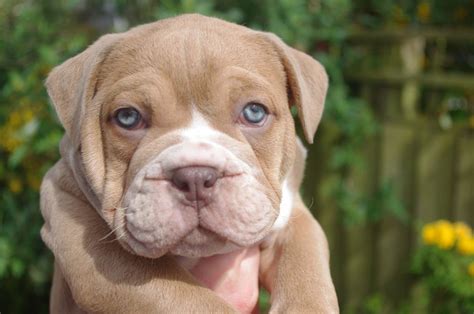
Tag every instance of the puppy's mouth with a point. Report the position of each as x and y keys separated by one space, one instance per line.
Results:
x=157 y=218
x=200 y=242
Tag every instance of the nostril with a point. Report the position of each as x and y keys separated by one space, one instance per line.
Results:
x=182 y=180
x=210 y=180
x=181 y=185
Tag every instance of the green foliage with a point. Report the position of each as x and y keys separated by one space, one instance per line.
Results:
x=34 y=37
x=445 y=279
x=441 y=285
x=444 y=268
x=375 y=304
x=374 y=13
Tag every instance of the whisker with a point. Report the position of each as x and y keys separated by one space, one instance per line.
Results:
x=312 y=203
x=111 y=232
x=118 y=238
x=309 y=208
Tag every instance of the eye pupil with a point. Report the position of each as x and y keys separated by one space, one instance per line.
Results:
x=254 y=113
x=127 y=117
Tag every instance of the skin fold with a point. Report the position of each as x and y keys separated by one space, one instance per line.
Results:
x=125 y=240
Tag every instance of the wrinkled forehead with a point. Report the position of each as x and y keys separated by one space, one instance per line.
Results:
x=194 y=59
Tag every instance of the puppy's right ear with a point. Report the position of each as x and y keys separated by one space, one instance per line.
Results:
x=72 y=84
x=307 y=83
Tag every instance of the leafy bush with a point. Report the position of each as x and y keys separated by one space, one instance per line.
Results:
x=444 y=265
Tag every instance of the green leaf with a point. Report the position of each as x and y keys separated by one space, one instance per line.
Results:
x=17 y=156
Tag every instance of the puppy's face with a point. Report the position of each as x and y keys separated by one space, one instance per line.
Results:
x=195 y=133
x=198 y=135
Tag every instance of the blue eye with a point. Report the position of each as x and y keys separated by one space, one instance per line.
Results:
x=128 y=118
x=254 y=113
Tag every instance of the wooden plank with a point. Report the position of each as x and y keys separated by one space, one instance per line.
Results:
x=464 y=193
x=360 y=265
x=398 y=165
x=435 y=177
x=331 y=221
x=443 y=80
x=391 y=35
x=412 y=54
x=323 y=207
x=390 y=97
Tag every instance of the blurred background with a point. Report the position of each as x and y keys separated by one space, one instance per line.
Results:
x=390 y=176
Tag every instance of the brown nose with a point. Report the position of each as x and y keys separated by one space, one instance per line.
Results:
x=195 y=182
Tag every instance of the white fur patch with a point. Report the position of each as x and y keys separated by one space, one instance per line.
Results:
x=286 y=206
x=199 y=128
x=200 y=131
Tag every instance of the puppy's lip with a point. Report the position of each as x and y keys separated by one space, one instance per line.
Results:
x=168 y=178
x=197 y=204
x=199 y=247
x=148 y=250
x=141 y=248
x=138 y=247
x=155 y=178
x=216 y=235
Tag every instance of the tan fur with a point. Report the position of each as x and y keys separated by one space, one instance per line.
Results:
x=169 y=68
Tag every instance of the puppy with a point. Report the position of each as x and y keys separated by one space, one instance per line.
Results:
x=177 y=190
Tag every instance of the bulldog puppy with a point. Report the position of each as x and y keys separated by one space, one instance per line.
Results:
x=177 y=190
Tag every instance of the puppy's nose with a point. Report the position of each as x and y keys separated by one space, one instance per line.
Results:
x=195 y=182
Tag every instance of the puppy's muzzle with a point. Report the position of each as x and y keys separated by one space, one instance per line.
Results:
x=195 y=198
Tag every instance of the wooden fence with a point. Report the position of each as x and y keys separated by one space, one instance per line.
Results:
x=429 y=159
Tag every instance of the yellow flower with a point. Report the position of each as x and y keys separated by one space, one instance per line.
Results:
x=15 y=185
x=446 y=239
x=429 y=234
x=446 y=235
x=424 y=11
x=470 y=269
x=466 y=246
x=462 y=230
x=440 y=233
x=11 y=140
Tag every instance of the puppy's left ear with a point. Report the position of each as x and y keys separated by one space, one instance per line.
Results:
x=307 y=83
x=71 y=87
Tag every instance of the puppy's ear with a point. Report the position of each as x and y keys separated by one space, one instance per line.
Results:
x=71 y=87
x=71 y=84
x=307 y=83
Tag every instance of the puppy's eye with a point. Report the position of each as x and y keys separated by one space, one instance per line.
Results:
x=128 y=118
x=254 y=114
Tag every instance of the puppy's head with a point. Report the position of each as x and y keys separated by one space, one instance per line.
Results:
x=183 y=132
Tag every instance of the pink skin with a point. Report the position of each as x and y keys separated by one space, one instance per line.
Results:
x=233 y=276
